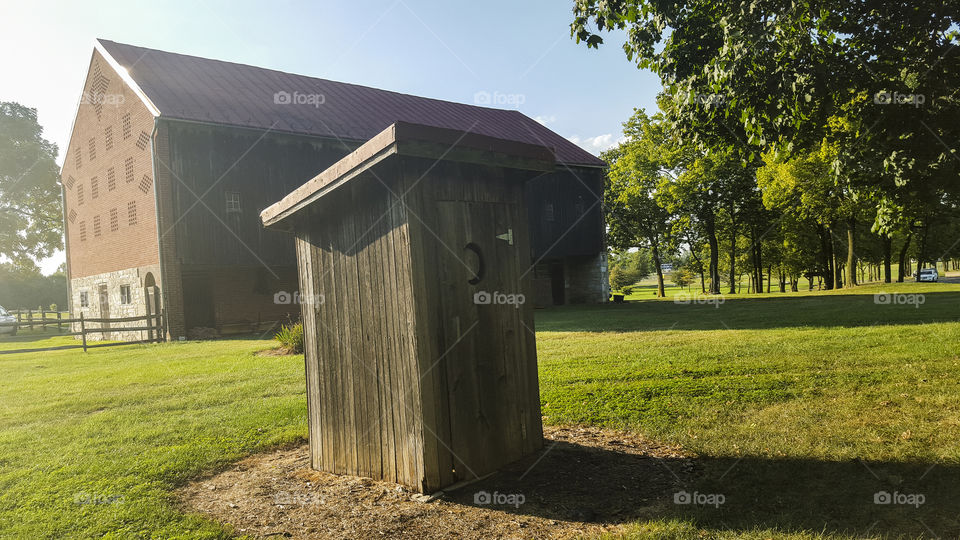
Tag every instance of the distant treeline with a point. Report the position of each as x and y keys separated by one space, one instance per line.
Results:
x=29 y=289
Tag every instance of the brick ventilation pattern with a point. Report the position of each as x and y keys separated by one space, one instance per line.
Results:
x=94 y=187
x=129 y=169
x=93 y=149
x=132 y=213
x=146 y=183
x=73 y=216
x=70 y=182
x=114 y=220
x=111 y=179
x=96 y=226
x=108 y=138
x=83 y=231
x=143 y=140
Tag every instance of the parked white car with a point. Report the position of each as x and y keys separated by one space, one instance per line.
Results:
x=928 y=274
x=7 y=318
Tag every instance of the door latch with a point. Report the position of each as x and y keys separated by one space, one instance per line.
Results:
x=508 y=236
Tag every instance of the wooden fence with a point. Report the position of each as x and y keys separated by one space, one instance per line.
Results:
x=154 y=326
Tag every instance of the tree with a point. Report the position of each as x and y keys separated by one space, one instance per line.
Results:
x=31 y=219
x=628 y=267
x=638 y=167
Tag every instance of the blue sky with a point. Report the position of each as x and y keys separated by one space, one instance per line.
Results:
x=520 y=52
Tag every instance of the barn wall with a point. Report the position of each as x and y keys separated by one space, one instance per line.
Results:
x=108 y=179
x=362 y=380
x=565 y=213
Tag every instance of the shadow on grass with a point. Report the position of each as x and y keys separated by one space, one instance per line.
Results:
x=713 y=313
x=571 y=482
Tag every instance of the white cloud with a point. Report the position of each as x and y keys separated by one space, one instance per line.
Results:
x=597 y=144
x=545 y=119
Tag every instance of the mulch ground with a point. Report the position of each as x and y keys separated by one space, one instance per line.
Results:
x=586 y=481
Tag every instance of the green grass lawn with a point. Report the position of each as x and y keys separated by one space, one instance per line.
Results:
x=800 y=407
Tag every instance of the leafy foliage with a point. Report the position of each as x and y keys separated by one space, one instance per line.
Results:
x=290 y=337
x=31 y=220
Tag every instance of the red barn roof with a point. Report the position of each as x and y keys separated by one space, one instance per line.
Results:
x=199 y=89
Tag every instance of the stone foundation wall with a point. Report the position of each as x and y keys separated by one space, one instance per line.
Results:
x=116 y=308
x=586 y=279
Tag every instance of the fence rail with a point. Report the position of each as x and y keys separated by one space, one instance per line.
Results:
x=155 y=328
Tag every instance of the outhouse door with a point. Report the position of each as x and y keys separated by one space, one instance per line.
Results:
x=489 y=361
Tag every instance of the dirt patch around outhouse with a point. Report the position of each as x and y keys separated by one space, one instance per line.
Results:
x=586 y=481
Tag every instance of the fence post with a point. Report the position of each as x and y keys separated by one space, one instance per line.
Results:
x=163 y=324
x=59 y=322
x=83 y=332
x=43 y=319
x=30 y=318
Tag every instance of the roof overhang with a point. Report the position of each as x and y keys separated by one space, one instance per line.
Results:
x=413 y=140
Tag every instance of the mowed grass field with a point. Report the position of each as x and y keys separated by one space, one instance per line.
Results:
x=800 y=408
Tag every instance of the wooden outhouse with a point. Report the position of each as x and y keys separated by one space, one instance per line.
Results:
x=413 y=258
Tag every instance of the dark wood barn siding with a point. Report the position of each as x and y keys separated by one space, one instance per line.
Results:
x=209 y=161
x=577 y=226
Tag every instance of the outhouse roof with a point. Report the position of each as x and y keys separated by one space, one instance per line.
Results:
x=416 y=140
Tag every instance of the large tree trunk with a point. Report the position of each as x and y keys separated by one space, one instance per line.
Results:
x=714 y=267
x=693 y=253
x=769 y=274
x=901 y=272
x=851 y=264
x=887 y=258
x=655 y=248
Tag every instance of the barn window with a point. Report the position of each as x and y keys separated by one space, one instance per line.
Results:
x=93 y=149
x=125 y=294
x=127 y=127
x=548 y=212
x=128 y=165
x=96 y=226
x=114 y=220
x=94 y=187
x=80 y=194
x=132 y=213
x=108 y=138
x=84 y=299
x=111 y=179
x=143 y=140
x=83 y=231
x=146 y=183
x=233 y=201
x=578 y=207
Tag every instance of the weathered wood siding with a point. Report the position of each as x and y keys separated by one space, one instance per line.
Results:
x=362 y=378
x=408 y=379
